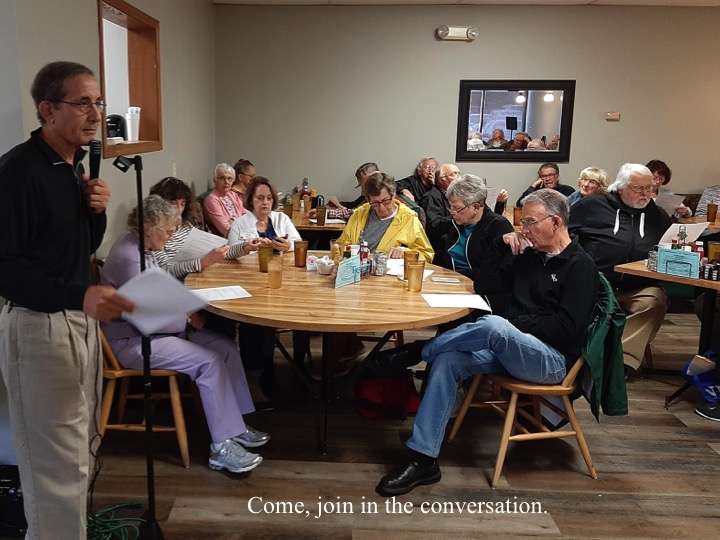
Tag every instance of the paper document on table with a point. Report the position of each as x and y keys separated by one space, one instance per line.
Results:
x=669 y=202
x=198 y=244
x=159 y=298
x=395 y=267
x=328 y=221
x=474 y=301
x=492 y=195
x=222 y=293
x=693 y=230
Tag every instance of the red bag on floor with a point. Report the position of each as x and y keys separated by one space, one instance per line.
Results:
x=398 y=393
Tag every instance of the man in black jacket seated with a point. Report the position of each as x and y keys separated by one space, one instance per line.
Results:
x=554 y=286
x=548 y=177
x=621 y=226
x=416 y=185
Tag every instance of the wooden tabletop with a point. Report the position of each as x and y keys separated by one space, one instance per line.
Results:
x=639 y=268
x=714 y=226
x=302 y=223
x=309 y=301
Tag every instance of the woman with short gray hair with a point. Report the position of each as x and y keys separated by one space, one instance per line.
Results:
x=470 y=241
x=223 y=205
x=210 y=359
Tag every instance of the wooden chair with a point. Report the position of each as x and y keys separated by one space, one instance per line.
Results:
x=114 y=372
x=511 y=410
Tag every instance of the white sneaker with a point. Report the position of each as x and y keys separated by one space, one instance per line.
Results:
x=233 y=457
x=252 y=438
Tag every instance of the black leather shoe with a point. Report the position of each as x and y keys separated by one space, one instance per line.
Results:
x=405 y=480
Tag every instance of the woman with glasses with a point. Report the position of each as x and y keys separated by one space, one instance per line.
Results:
x=385 y=223
x=244 y=172
x=223 y=205
x=212 y=360
x=263 y=221
x=592 y=181
x=661 y=177
x=181 y=196
x=470 y=241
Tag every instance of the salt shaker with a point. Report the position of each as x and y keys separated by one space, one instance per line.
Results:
x=379 y=264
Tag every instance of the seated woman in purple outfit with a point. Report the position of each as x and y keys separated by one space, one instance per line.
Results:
x=212 y=360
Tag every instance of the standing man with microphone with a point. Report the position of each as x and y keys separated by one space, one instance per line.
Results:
x=52 y=218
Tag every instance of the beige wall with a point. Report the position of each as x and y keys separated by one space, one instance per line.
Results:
x=67 y=30
x=315 y=91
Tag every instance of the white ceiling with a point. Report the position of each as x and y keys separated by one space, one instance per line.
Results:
x=681 y=3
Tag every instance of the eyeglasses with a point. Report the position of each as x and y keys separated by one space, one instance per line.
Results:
x=457 y=211
x=429 y=167
x=166 y=232
x=548 y=176
x=246 y=174
x=530 y=224
x=384 y=202
x=641 y=189
x=589 y=181
x=85 y=105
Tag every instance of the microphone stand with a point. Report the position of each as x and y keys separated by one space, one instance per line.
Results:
x=150 y=530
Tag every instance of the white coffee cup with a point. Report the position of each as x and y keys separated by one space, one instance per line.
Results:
x=132 y=124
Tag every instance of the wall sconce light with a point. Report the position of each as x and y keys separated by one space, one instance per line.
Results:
x=457 y=33
x=549 y=96
x=520 y=97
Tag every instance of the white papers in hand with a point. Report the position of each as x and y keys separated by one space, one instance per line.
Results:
x=222 y=293
x=669 y=202
x=492 y=195
x=473 y=301
x=693 y=230
x=198 y=244
x=158 y=298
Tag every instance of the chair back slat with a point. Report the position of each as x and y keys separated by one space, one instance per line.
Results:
x=569 y=379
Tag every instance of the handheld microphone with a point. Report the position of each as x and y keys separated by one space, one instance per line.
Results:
x=95 y=155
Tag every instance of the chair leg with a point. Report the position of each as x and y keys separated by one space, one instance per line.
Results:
x=106 y=406
x=122 y=398
x=179 y=421
x=399 y=338
x=580 y=437
x=465 y=407
x=507 y=430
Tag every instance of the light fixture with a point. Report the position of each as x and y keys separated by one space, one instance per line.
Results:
x=520 y=97
x=549 y=96
x=457 y=33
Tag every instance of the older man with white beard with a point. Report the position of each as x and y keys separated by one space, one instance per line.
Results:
x=622 y=226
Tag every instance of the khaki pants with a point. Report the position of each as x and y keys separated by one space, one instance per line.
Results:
x=51 y=366
x=645 y=309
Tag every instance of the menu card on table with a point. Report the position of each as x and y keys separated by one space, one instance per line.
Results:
x=348 y=272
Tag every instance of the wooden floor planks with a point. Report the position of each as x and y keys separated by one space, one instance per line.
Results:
x=658 y=472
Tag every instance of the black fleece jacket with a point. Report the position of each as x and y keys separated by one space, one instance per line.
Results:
x=552 y=298
x=613 y=233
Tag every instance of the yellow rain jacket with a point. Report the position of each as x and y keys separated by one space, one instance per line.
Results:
x=404 y=231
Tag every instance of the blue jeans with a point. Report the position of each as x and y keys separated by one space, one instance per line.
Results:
x=489 y=345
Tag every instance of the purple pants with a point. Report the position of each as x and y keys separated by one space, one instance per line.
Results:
x=211 y=360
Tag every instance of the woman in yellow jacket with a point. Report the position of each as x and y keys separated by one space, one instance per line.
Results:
x=385 y=223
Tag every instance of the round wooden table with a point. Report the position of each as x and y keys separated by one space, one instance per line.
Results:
x=309 y=301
